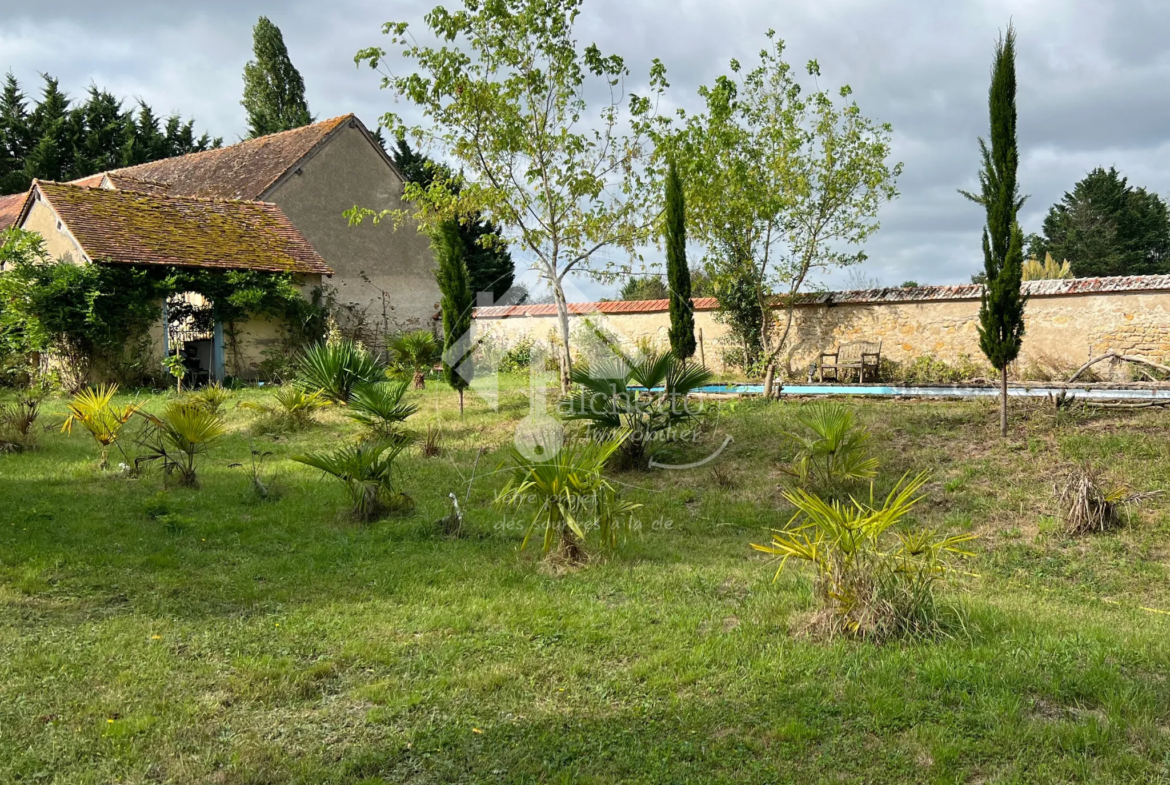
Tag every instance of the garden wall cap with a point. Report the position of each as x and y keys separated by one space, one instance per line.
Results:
x=126 y=227
x=240 y=171
x=1053 y=288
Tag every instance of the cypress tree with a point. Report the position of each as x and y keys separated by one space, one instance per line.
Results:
x=678 y=275
x=274 y=92
x=487 y=259
x=457 y=301
x=1001 y=312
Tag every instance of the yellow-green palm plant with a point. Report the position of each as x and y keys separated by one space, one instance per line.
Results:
x=367 y=470
x=183 y=432
x=832 y=449
x=94 y=410
x=570 y=495
x=291 y=406
x=874 y=580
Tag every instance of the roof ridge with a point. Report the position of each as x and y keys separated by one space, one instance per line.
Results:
x=332 y=120
x=214 y=199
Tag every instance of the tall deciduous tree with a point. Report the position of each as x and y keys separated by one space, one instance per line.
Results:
x=486 y=255
x=1105 y=226
x=457 y=299
x=781 y=183
x=507 y=94
x=1001 y=312
x=274 y=92
x=678 y=275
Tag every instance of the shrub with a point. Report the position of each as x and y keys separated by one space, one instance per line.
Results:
x=183 y=432
x=291 y=408
x=415 y=353
x=93 y=408
x=211 y=398
x=1089 y=502
x=517 y=357
x=367 y=470
x=833 y=449
x=646 y=399
x=336 y=369
x=569 y=495
x=929 y=370
x=18 y=424
x=379 y=406
x=872 y=581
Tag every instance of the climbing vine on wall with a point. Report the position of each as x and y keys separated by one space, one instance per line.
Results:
x=100 y=313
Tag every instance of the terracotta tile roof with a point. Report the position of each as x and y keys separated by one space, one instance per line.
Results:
x=92 y=181
x=10 y=209
x=239 y=171
x=1055 y=288
x=123 y=227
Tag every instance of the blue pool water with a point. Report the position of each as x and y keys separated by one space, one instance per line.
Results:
x=943 y=391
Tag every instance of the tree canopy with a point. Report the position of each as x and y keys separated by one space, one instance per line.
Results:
x=548 y=140
x=780 y=182
x=484 y=252
x=60 y=140
x=274 y=92
x=1105 y=226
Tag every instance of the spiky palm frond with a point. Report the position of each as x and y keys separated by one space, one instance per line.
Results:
x=875 y=580
x=290 y=405
x=177 y=437
x=213 y=397
x=93 y=409
x=643 y=397
x=832 y=449
x=380 y=405
x=415 y=352
x=336 y=369
x=570 y=495
x=366 y=469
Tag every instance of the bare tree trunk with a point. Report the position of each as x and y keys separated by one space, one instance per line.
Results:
x=769 y=379
x=1003 y=396
x=566 y=358
x=461 y=403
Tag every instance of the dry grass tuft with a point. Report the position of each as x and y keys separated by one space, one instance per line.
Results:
x=1090 y=502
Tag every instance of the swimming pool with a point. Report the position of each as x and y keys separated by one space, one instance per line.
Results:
x=944 y=391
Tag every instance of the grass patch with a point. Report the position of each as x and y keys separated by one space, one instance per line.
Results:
x=196 y=636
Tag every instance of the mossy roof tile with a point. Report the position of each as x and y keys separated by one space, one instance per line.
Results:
x=239 y=171
x=126 y=227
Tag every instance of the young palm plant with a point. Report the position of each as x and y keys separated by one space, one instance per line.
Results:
x=336 y=369
x=569 y=495
x=367 y=470
x=94 y=410
x=645 y=398
x=291 y=407
x=18 y=421
x=833 y=448
x=873 y=580
x=415 y=353
x=380 y=407
x=177 y=438
x=213 y=397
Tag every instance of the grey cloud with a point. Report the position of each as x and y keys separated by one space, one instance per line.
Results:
x=1091 y=72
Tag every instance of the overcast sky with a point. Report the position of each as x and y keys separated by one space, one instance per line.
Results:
x=1093 y=80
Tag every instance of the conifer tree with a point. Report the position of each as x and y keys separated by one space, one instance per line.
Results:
x=1001 y=312
x=457 y=300
x=274 y=92
x=678 y=275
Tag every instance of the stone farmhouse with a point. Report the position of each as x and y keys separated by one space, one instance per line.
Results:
x=272 y=203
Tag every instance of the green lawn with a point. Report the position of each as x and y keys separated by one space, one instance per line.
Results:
x=199 y=636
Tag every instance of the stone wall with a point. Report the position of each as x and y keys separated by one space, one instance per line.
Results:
x=1067 y=323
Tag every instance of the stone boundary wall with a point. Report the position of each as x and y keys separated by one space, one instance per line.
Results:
x=1067 y=321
